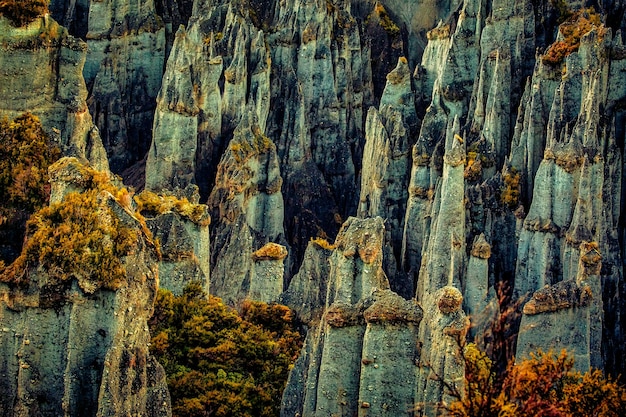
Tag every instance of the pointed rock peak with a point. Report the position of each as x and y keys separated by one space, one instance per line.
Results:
x=389 y=307
x=480 y=248
x=400 y=74
x=455 y=147
x=362 y=237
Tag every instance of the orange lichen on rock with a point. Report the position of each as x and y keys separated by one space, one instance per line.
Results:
x=270 y=251
x=449 y=300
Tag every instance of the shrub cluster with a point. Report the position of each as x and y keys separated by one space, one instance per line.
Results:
x=543 y=385
x=23 y=12
x=80 y=237
x=149 y=203
x=219 y=362
x=25 y=154
x=572 y=30
x=510 y=193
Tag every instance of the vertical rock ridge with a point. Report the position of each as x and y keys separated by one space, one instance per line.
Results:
x=44 y=57
x=123 y=70
x=365 y=339
x=247 y=205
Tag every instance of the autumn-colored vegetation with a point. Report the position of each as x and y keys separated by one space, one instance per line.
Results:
x=23 y=12
x=149 y=203
x=382 y=17
x=79 y=237
x=544 y=385
x=219 y=362
x=25 y=154
x=572 y=30
x=510 y=193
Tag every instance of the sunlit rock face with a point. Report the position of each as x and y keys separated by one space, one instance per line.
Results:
x=75 y=345
x=42 y=73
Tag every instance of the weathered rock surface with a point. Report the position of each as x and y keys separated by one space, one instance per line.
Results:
x=185 y=249
x=79 y=350
x=360 y=358
x=247 y=205
x=385 y=174
x=306 y=294
x=567 y=315
x=41 y=72
x=123 y=70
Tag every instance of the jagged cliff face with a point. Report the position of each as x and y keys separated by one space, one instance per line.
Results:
x=123 y=70
x=41 y=67
x=73 y=344
x=489 y=141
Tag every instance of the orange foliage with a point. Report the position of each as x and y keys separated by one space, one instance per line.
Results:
x=23 y=12
x=543 y=385
x=572 y=30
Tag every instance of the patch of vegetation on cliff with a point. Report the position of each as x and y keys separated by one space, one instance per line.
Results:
x=221 y=363
x=149 y=203
x=23 y=12
x=80 y=237
x=545 y=384
x=510 y=192
x=380 y=15
x=26 y=152
x=572 y=30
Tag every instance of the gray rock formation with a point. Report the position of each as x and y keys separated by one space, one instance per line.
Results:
x=365 y=343
x=385 y=174
x=77 y=348
x=567 y=315
x=574 y=189
x=440 y=357
x=123 y=70
x=218 y=65
x=247 y=208
x=306 y=294
x=41 y=72
x=185 y=249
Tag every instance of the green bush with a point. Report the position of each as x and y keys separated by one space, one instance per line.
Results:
x=220 y=363
x=23 y=12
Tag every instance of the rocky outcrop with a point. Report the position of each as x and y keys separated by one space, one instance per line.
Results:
x=218 y=67
x=385 y=174
x=123 y=70
x=306 y=294
x=247 y=208
x=41 y=72
x=440 y=358
x=575 y=185
x=365 y=340
x=572 y=311
x=79 y=346
x=185 y=249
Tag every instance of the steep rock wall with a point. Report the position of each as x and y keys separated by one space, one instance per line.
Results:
x=41 y=72
x=123 y=70
x=80 y=347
